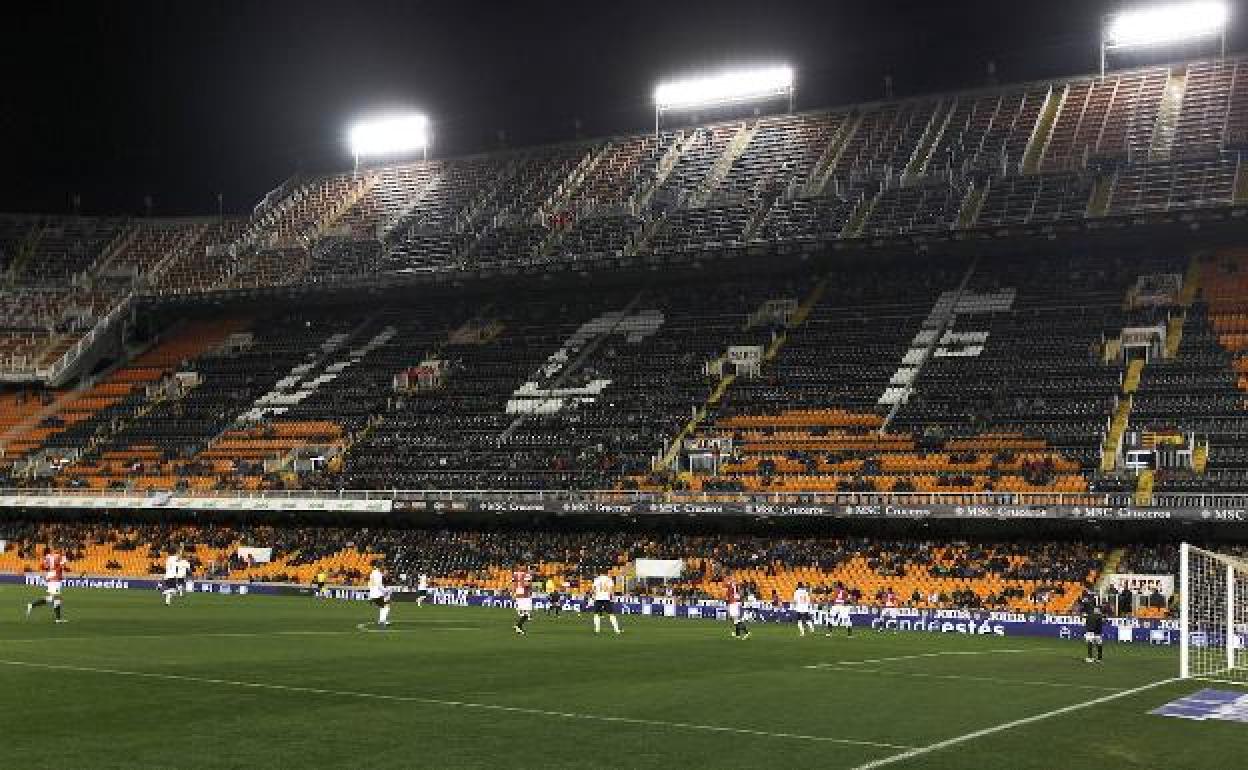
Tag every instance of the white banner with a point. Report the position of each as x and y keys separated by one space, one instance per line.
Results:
x=659 y=568
x=257 y=555
x=1144 y=584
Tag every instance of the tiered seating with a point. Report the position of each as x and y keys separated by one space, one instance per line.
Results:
x=701 y=152
x=1173 y=185
x=702 y=228
x=988 y=131
x=204 y=263
x=1016 y=576
x=1202 y=130
x=63 y=247
x=626 y=168
x=602 y=213
x=151 y=241
x=432 y=233
x=809 y=219
x=780 y=157
x=931 y=207
x=395 y=190
x=1105 y=117
x=885 y=139
x=1202 y=390
x=518 y=215
x=1044 y=198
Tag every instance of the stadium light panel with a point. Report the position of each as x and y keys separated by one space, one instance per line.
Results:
x=724 y=88
x=389 y=136
x=1167 y=24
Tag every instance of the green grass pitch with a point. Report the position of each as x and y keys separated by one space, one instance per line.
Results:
x=227 y=681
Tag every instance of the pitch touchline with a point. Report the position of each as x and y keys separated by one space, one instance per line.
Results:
x=963 y=678
x=222 y=634
x=912 y=753
x=453 y=703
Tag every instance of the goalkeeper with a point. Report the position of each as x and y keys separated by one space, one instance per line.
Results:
x=1094 y=633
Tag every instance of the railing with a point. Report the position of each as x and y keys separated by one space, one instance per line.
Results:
x=51 y=373
x=1229 y=501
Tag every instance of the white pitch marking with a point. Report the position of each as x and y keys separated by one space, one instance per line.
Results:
x=964 y=678
x=916 y=656
x=912 y=753
x=454 y=703
x=365 y=627
x=206 y=635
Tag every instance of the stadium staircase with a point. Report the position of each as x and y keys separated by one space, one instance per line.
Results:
x=119 y=245
x=182 y=253
x=1102 y=194
x=935 y=129
x=1122 y=415
x=1043 y=131
x=1168 y=116
x=725 y=382
x=1191 y=283
x=1113 y=438
x=25 y=250
x=862 y=213
x=1174 y=334
x=565 y=193
x=824 y=167
x=968 y=215
x=1144 y=488
x=1200 y=457
x=1241 y=183
x=723 y=164
x=1109 y=569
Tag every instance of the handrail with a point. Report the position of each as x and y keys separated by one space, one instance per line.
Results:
x=1161 y=500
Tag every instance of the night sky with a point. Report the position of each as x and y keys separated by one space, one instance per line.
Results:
x=182 y=100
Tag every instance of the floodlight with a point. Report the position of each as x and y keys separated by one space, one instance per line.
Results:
x=389 y=136
x=1167 y=24
x=724 y=88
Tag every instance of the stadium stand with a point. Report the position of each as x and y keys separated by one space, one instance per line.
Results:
x=996 y=374
x=1017 y=576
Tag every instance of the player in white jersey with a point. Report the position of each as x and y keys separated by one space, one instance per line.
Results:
x=170 y=586
x=838 y=614
x=604 y=588
x=802 y=610
x=379 y=595
x=54 y=566
x=422 y=588
x=184 y=574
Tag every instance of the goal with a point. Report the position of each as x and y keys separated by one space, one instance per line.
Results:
x=1213 y=615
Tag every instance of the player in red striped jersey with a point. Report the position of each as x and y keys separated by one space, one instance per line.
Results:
x=838 y=615
x=522 y=593
x=54 y=567
x=732 y=595
x=890 y=613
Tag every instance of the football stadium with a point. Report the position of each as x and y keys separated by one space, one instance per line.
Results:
x=845 y=387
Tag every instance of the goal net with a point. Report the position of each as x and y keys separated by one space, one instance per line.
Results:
x=1213 y=615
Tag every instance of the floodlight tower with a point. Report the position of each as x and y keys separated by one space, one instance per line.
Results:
x=1157 y=25
x=724 y=88
x=389 y=136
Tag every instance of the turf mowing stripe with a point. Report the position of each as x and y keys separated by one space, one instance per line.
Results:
x=964 y=678
x=455 y=703
x=912 y=753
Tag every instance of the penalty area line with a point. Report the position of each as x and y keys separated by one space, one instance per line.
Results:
x=494 y=707
x=916 y=656
x=965 y=678
x=956 y=740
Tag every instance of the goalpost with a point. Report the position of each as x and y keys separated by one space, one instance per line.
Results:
x=1213 y=615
